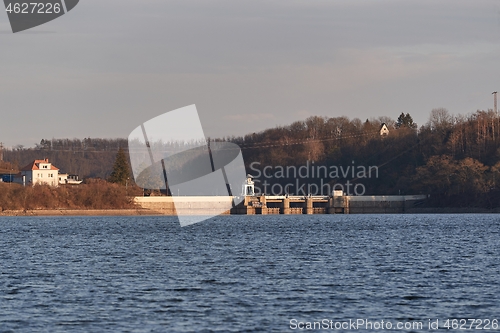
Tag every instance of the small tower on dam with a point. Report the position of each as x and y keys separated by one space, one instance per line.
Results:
x=248 y=187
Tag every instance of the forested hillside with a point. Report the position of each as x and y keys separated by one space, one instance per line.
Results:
x=88 y=158
x=455 y=159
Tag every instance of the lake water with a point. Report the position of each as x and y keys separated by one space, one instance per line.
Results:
x=247 y=273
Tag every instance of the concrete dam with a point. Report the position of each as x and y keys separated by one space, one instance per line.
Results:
x=266 y=205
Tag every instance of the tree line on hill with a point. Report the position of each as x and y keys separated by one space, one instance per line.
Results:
x=455 y=159
x=88 y=158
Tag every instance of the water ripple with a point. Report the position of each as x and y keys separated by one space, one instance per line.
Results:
x=243 y=273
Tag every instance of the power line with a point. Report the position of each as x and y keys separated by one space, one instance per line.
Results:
x=243 y=146
x=303 y=141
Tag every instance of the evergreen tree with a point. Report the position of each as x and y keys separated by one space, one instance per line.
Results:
x=121 y=171
x=405 y=120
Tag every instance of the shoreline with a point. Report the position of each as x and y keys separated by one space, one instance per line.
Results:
x=79 y=212
x=148 y=212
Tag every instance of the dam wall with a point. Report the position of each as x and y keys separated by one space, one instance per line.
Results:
x=269 y=205
x=189 y=205
x=384 y=204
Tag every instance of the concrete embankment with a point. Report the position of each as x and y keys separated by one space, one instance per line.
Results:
x=267 y=205
x=192 y=205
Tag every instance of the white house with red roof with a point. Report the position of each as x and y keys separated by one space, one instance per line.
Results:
x=38 y=172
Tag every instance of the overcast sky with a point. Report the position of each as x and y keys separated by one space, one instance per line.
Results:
x=108 y=66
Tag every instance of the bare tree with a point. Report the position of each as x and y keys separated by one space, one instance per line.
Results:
x=440 y=119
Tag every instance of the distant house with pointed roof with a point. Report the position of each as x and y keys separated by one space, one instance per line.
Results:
x=40 y=172
x=384 y=130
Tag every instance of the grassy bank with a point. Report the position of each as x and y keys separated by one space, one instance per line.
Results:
x=79 y=212
x=95 y=194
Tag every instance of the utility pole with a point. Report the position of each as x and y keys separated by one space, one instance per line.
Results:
x=495 y=102
x=496 y=114
x=1 y=151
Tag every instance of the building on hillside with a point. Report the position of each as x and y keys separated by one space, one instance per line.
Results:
x=384 y=131
x=7 y=175
x=40 y=172
x=65 y=179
